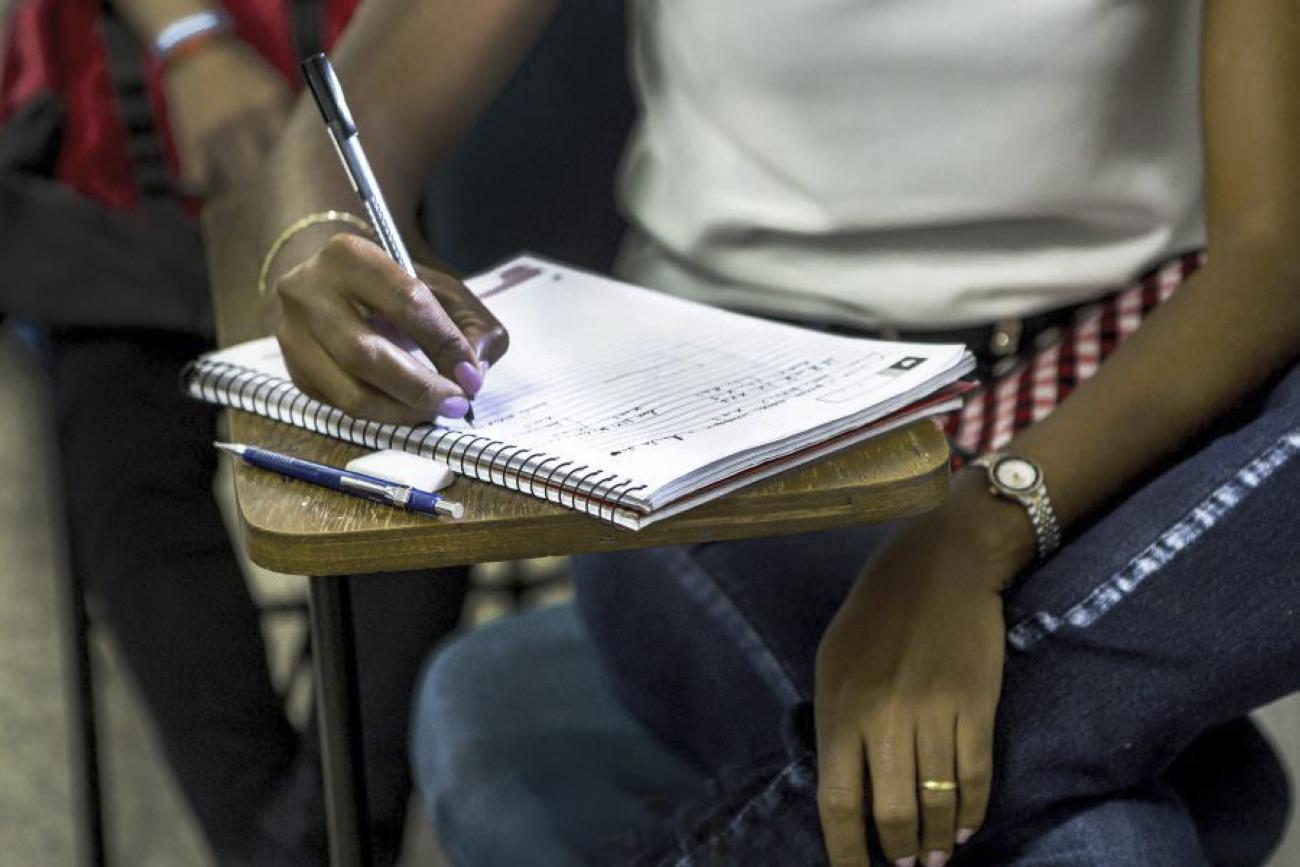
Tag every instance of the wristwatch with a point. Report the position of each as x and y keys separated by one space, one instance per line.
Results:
x=1021 y=480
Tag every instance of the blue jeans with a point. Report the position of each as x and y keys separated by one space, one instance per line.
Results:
x=541 y=766
x=525 y=757
x=1130 y=654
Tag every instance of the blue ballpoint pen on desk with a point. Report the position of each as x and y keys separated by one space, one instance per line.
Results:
x=357 y=484
x=325 y=87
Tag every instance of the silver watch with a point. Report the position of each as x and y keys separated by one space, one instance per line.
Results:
x=1021 y=480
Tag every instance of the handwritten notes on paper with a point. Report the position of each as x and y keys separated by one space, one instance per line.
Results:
x=651 y=387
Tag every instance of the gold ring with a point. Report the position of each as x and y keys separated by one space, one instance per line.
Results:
x=938 y=786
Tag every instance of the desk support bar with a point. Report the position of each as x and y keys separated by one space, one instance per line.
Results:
x=338 y=711
x=82 y=711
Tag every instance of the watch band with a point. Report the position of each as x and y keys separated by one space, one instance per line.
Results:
x=1033 y=498
x=1047 y=531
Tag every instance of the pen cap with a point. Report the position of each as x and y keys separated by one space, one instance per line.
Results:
x=431 y=504
x=324 y=86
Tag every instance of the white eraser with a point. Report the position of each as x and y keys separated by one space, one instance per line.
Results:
x=402 y=468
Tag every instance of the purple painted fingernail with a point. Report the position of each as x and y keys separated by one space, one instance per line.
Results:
x=909 y=861
x=454 y=407
x=936 y=859
x=468 y=376
x=963 y=835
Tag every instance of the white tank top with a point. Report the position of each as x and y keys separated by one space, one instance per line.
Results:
x=919 y=163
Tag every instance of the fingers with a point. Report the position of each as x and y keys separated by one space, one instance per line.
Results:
x=482 y=329
x=352 y=365
x=354 y=305
x=936 y=765
x=974 y=771
x=840 y=791
x=319 y=376
x=377 y=282
x=891 y=756
x=378 y=361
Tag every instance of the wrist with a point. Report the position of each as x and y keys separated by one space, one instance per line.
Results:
x=148 y=17
x=994 y=528
x=189 y=56
x=302 y=239
x=188 y=34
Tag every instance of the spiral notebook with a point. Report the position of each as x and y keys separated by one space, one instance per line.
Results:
x=628 y=404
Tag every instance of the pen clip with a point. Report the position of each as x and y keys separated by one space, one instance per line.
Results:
x=394 y=494
x=324 y=86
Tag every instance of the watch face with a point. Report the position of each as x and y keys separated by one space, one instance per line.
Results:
x=1016 y=474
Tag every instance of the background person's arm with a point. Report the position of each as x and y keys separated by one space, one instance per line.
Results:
x=147 y=18
x=417 y=74
x=226 y=105
x=910 y=670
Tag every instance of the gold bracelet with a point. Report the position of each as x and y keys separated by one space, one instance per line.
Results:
x=297 y=226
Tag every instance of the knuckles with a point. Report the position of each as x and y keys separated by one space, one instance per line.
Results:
x=449 y=345
x=292 y=286
x=361 y=352
x=495 y=343
x=895 y=818
x=443 y=284
x=342 y=247
x=429 y=398
x=839 y=805
x=975 y=778
x=414 y=295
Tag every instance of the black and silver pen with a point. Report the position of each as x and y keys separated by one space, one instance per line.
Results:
x=325 y=87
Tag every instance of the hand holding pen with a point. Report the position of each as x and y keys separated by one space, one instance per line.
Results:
x=347 y=317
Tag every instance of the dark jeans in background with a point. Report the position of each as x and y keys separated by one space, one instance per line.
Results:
x=138 y=463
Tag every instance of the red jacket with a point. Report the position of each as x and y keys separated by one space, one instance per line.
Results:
x=55 y=45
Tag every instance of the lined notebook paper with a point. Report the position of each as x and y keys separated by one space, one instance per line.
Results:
x=628 y=404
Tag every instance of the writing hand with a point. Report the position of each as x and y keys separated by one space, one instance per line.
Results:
x=227 y=107
x=346 y=317
x=908 y=678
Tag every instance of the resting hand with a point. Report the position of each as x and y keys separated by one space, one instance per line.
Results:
x=908 y=678
x=227 y=107
x=346 y=318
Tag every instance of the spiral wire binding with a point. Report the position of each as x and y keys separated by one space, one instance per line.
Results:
x=466 y=452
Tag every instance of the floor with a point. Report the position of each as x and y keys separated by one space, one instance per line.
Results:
x=149 y=825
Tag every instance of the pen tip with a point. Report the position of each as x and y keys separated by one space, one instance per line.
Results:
x=469 y=416
x=233 y=448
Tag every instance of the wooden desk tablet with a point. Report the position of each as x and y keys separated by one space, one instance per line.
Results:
x=293 y=527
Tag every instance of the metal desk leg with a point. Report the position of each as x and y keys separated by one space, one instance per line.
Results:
x=83 y=744
x=338 y=712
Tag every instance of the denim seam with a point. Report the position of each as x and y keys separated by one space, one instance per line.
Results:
x=1178 y=537
x=722 y=608
x=686 y=859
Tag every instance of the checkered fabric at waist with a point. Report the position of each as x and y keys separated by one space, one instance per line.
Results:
x=1025 y=387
